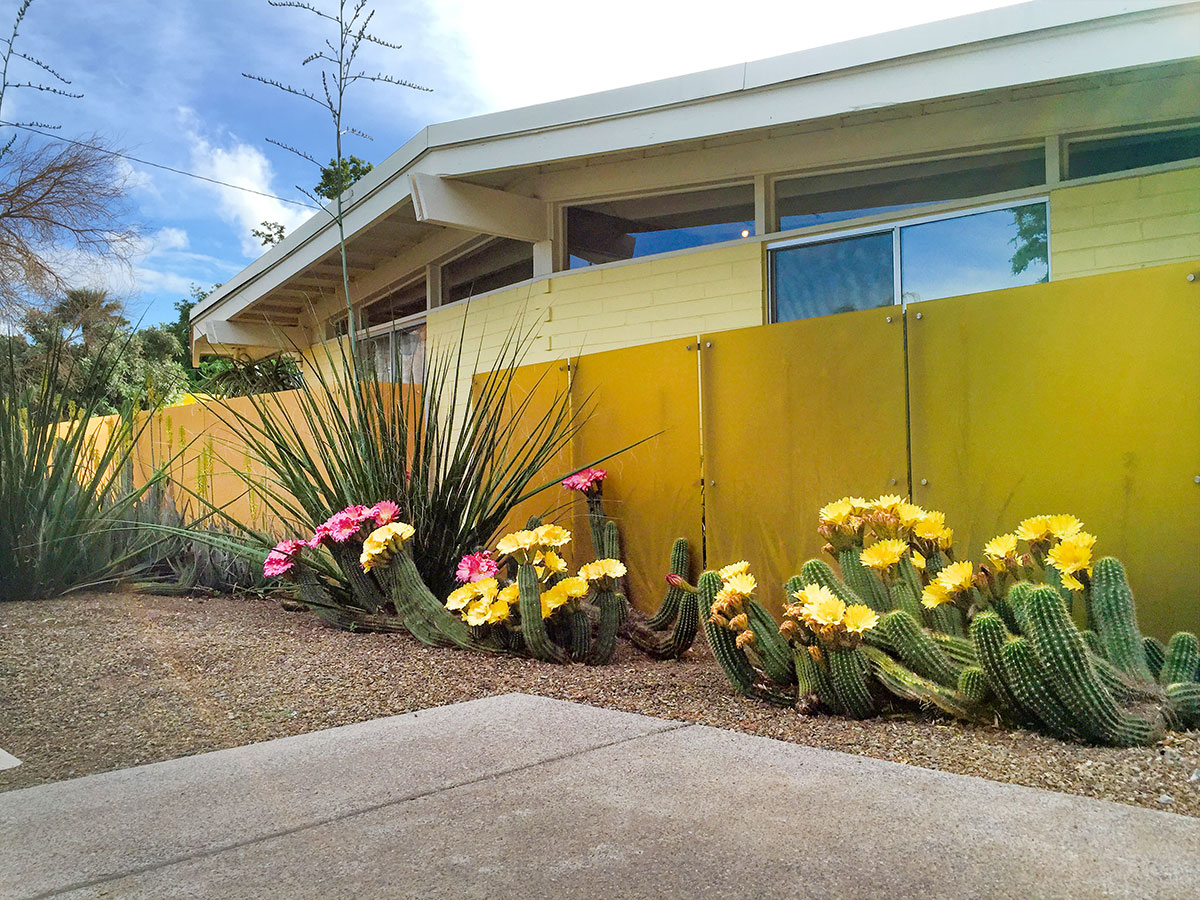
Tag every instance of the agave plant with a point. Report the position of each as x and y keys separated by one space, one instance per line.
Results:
x=456 y=453
x=66 y=486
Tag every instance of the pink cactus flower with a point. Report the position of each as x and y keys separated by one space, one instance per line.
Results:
x=584 y=481
x=674 y=580
x=476 y=567
x=282 y=559
x=385 y=511
x=319 y=536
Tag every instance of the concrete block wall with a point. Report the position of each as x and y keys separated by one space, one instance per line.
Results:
x=592 y=310
x=1125 y=223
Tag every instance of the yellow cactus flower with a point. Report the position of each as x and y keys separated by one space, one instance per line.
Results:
x=740 y=622
x=552 y=600
x=882 y=555
x=499 y=611
x=934 y=596
x=742 y=585
x=1001 y=551
x=835 y=513
x=823 y=608
x=551 y=536
x=574 y=587
x=517 y=542
x=746 y=638
x=509 y=594
x=918 y=561
x=461 y=597
x=957 y=578
x=741 y=567
x=1071 y=556
x=910 y=515
x=931 y=527
x=395 y=533
x=1034 y=529
x=787 y=628
x=815 y=652
x=1064 y=526
x=613 y=568
x=859 y=504
x=887 y=503
x=859 y=618
x=478 y=612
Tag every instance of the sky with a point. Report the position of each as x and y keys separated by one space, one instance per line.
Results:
x=162 y=80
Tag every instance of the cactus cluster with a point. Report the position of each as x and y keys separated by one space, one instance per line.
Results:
x=905 y=621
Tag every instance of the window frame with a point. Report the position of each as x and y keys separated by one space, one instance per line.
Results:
x=894 y=226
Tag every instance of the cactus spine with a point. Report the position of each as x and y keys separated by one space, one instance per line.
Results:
x=1027 y=680
x=973 y=685
x=848 y=671
x=1156 y=654
x=988 y=634
x=917 y=649
x=1182 y=660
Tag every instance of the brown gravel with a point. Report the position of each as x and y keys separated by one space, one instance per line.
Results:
x=104 y=681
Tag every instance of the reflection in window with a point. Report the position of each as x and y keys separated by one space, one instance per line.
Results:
x=496 y=264
x=397 y=356
x=642 y=226
x=968 y=254
x=1131 y=151
x=818 y=199
x=833 y=276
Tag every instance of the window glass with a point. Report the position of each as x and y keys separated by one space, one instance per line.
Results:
x=496 y=264
x=818 y=199
x=833 y=276
x=396 y=356
x=967 y=254
x=641 y=226
x=1131 y=151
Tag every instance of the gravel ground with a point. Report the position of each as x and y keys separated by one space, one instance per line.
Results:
x=105 y=681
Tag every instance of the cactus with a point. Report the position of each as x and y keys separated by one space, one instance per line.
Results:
x=973 y=685
x=1027 y=680
x=901 y=597
x=1093 y=643
x=917 y=649
x=537 y=639
x=1018 y=596
x=1060 y=649
x=813 y=680
x=908 y=685
x=989 y=635
x=863 y=581
x=425 y=616
x=612 y=550
x=581 y=633
x=363 y=585
x=772 y=650
x=612 y=606
x=1182 y=660
x=848 y=670
x=1185 y=702
x=681 y=561
x=1110 y=602
x=1156 y=654
x=737 y=667
x=958 y=649
x=676 y=642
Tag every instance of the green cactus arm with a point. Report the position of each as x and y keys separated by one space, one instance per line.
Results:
x=1182 y=660
x=581 y=633
x=960 y=650
x=1126 y=690
x=1112 y=610
x=902 y=598
x=605 y=643
x=917 y=650
x=1025 y=676
x=612 y=550
x=907 y=572
x=773 y=650
x=1156 y=654
x=365 y=589
x=973 y=685
x=596 y=522
x=681 y=563
x=988 y=635
x=533 y=628
x=1062 y=653
x=1018 y=597
x=1185 y=702
x=848 y=671
x=947 y=619
x=438 y=624
x=678 y=641
x=813 y=681
x=908 y=685
x=863 y=581
x=817 y=571
x=731 y=658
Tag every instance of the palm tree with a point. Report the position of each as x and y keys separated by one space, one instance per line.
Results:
x=91 y=311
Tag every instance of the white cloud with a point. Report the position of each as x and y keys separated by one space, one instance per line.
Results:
x=245 y=166
x=548 y=50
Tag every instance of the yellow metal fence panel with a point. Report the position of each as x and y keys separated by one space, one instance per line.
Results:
x=653 y=490
x=795 y=415
x=1079 y=396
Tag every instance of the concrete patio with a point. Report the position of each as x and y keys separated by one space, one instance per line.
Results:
x=531 y=797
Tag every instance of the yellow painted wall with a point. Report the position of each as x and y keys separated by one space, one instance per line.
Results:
x=594 y=310
x=1126 y=223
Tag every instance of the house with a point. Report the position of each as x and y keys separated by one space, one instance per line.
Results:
x=957 y=259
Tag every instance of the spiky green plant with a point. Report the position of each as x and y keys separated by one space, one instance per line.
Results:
x=66 y=486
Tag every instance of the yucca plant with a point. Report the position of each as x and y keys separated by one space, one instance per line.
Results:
x=66 y=489
x=456 y=453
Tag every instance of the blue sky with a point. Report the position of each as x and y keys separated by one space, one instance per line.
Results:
x=162 y=80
